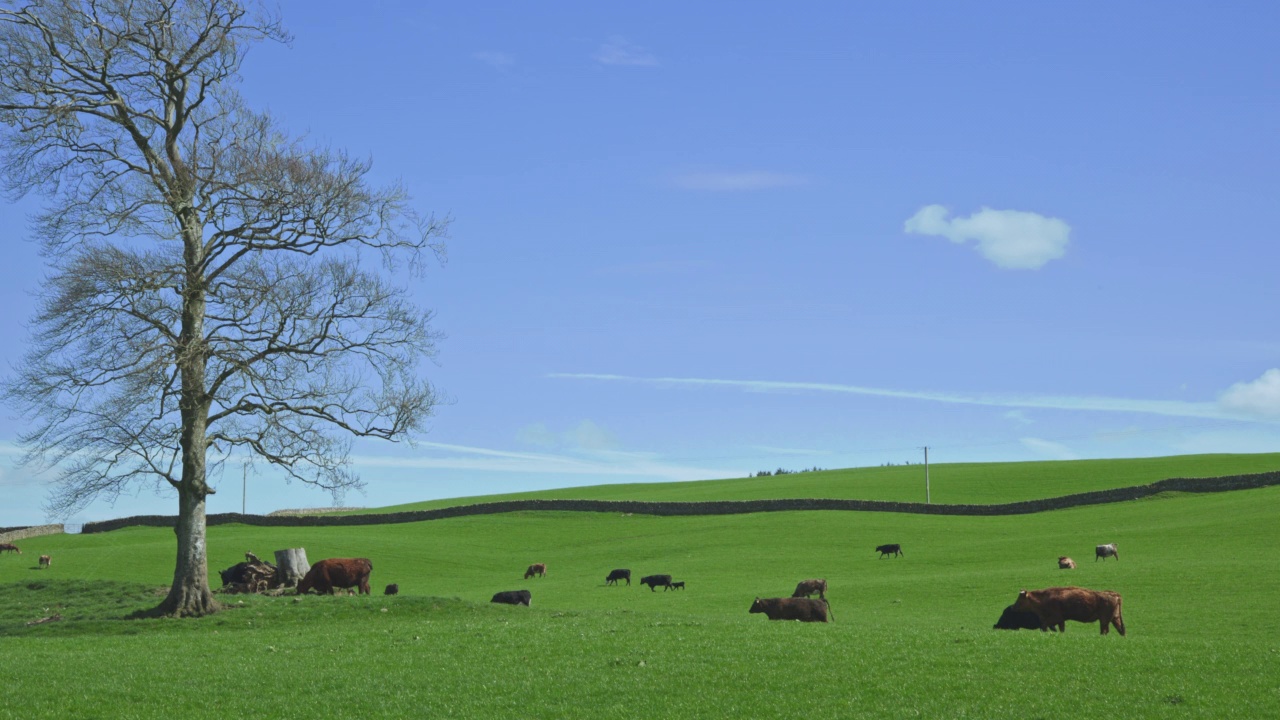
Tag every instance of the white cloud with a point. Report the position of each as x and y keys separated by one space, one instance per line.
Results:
x=1049 y=448
x=1257 y=398
x=538 y=435
x=586 y=435
x=619 y=51
x=1019 y=417
x=1169 y=408
x=1012 y=239
x=736 y=181
x=496 y=60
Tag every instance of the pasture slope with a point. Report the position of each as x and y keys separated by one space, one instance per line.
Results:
x=912 y=636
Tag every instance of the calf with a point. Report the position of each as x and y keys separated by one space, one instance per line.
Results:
x=9 y=547
x=805 y=588
x=616 y=575
x=1055 y=606
x=802 y=609
x=1105 y=551
x=234 y=574
x=513 y=597
x=392 y=589
x=1066 y=563
x=332 y=573
x=893 y=549
x=44 y=561
x=676 y=586
x=1012 y=619
x=653 y=581
x=539 y=569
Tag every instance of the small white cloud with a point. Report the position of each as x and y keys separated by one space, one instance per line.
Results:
x=1012 y=239
x=1019 y=417
x=1258 y=398
x=618 y=51
x=537 y=434
x=731 y=181
x=1049 y=448
x=496 y=60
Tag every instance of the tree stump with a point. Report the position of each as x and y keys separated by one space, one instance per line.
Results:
x=292 y=564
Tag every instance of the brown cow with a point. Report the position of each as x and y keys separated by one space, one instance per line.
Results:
x=802 y=609
x=1055 y=606
x=539 y=569
x=1066 y=563
x=332 y=573
x=44 y=561
x=9 y=547
x=805 y=588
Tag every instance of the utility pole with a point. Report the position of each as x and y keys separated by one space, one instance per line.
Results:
x=244 y=487
x=926 y=475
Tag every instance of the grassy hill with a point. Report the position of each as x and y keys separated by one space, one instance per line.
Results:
x=911 y=637
x=954 y=483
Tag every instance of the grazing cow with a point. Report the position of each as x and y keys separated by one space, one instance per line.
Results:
x=653 y=581
x=676 y=586
x=44 y=561
x=802 y=609
x=1012 y=619
x=332 y=573
x=894 y=549
x=392 y=589
x=513 y=597
x=1055 y=606
x=1105 y=551
x=616 y=575
x=805 y=588
x=539 y=569
x=1066 y=563
x=9 y=547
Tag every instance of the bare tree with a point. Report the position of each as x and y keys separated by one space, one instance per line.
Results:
x=207 y=294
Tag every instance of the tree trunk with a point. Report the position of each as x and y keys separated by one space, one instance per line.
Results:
x=190 y=595
x=292 y=565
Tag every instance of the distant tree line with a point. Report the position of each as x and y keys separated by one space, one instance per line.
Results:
x=784 y=471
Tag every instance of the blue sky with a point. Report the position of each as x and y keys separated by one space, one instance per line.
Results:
x=696 y=242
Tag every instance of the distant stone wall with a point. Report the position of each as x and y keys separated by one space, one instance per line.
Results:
x=312 y=511
x=727 y=507
x=15 y=534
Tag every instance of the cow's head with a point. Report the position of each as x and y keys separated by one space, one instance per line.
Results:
x=304 y=585
x=1025 y=601
x=757 y=606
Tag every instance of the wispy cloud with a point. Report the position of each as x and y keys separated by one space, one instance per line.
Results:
x=494 y=59
x=1169 y=408
x=601 y=463
x=723 y=181
x=1012 y=239
x=1049 y=449
x=586 y=435
x=619 y=51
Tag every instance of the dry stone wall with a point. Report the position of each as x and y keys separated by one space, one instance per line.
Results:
x=726 y=507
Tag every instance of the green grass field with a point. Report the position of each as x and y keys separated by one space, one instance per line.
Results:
x=912 y=636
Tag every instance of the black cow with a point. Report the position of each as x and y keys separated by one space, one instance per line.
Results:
x=676 y=586
x=894 y=549
x=234 y=574
x=616 y=575
x=392 y=589
x=653 y=581
x=513 y=597
x=1012 y=619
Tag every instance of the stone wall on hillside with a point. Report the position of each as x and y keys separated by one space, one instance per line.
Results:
x=726 y=507
x=16 y=534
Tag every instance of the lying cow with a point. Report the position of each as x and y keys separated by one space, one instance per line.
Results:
x=653 y=581
x=805 y=588
x=1055 y=606
x=539 y=569
x=513 y=597
x=1066 y=563
x=392 y=589
x=802 y=609
x=894 y=549
x=44 y=561
x=9 y=547
x=332 y=573
x=616 y=575
x=1012 y=619
x=1105 y=551
x=234 y=574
